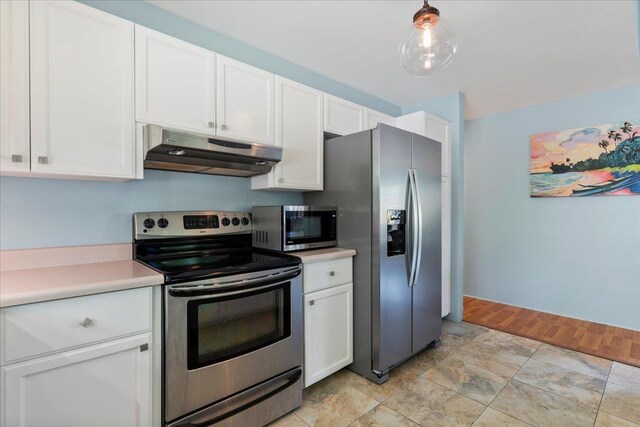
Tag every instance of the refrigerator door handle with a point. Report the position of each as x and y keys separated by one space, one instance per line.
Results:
x=414 y=227
x=419 y=221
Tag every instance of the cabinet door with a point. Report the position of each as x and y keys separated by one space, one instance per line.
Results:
x=446 y=246
x=439 y=130
x=244 y=102
x=299 y=133
x=446 y=282
x=14 y=87
x=328 y=332
x=81 y=91
x=373 y=117
x=413 y=122
x=341 y=116
x=175 y=82
x=104 y=385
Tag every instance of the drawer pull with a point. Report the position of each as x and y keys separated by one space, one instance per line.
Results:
x=332 y=273
x=312 y=302
x=86 y=322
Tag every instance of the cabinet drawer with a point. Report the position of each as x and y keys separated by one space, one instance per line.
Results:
x=325 y=274
x=36 y=329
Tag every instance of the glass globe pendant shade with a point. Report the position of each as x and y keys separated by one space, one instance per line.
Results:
x=431 y=45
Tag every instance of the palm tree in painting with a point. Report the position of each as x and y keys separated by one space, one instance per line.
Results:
x=626 y=128
x=603 y=144
x=611 y=134
x=617 y=137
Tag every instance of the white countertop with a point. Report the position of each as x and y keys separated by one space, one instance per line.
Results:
x=25 y=285
x=326 y=254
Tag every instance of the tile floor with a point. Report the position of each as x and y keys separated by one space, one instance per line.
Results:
x=480 y=377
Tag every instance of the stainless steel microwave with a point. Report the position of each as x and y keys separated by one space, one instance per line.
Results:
x=293 y=228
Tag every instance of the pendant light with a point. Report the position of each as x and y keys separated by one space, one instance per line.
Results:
x=431 y=45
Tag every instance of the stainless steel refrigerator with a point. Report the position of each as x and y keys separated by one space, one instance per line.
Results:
x=386 y=183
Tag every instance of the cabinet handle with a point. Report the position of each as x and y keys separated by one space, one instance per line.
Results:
x=16 y=158
x=223 y=127
x=144 y=347
x=332 y=273
x=43 y=160
x=86 y=322
x=212 y=125
x=312 y=302
x=281 y=180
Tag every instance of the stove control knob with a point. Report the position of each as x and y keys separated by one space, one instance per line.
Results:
x=163 y=222
x=149 y=223
x=245 y=221
x=235 y=221
x=225 y=221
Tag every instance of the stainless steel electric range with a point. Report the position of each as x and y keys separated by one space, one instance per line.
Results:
x=232 y=319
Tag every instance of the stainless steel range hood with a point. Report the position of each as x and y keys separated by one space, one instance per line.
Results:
x=173 y=150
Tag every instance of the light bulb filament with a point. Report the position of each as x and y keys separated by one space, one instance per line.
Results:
x=426 y=37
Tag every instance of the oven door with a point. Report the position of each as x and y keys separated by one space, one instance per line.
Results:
x=226 y=335
x=306 y=227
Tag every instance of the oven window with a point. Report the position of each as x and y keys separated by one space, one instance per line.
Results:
x=226 y=327
x=309 y=226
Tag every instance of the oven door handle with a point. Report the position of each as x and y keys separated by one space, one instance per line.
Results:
x=242 y=286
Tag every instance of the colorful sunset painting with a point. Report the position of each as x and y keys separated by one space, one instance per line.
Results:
x=590 y=161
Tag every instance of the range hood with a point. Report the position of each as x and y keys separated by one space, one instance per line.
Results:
x=173 y=150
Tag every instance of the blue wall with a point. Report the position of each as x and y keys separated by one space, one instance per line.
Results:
x=451 y=107
x=160 y=20
x=578 y=257
x=46 y=212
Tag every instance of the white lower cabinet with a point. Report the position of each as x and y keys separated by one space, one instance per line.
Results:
x=95 y=370
x=328 y=318
x=328 y=332
x=103 y=385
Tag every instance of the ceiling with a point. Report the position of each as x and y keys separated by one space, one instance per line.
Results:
x=511 y=54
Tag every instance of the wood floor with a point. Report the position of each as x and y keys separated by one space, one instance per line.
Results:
x=609 y=342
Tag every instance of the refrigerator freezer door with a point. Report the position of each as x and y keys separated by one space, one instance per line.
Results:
x=391 y=293
x=427 y=324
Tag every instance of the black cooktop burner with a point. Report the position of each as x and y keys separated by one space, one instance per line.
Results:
x=189 y=259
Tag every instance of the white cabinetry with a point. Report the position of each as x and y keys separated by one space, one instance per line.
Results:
x=83 y=361
x=103 y=385
x=439 y=130
x=373 y=117
x=14 y=87
x=342 y=117
x=82 y=119
x=245 y=102
x=298 y=131
x=175 y=82
x=328 y=317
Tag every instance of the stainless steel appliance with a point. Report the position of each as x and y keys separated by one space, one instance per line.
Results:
x=168 y=149
x=232 y=320
x=293 y=228
x=387 y=184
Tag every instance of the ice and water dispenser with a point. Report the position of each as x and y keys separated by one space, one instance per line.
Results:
x=396 y=220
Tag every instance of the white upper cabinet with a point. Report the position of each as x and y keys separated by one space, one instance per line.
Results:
x=413 y=122
x=439 y=129
x=14 y=87
x=175 y=82
x=299 y=132
x=82 y=118
x=245 y=102
x=341 y=116
x=373 y=117
x=432 y=127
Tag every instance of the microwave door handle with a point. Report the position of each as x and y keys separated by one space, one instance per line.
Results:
x=250 y=285
x=414 y=227
x=419 y=223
